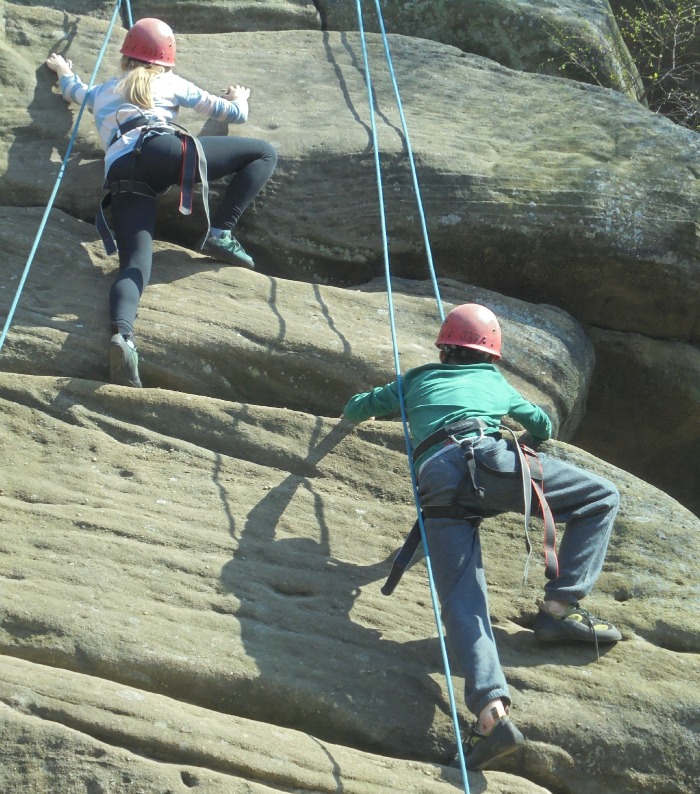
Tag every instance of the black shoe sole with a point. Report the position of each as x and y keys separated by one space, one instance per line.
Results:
x=504 y=740
x=551 y=629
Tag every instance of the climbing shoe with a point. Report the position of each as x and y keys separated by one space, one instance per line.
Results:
x=123 y=362
x=575 y=624
x=226 y=248
x=480 y=750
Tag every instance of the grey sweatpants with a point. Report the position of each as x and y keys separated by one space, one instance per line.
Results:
x=585 y=502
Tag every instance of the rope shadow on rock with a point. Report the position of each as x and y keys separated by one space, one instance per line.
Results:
x=342 y=84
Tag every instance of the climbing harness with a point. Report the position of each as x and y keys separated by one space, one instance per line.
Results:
x=449 y=434
x=535 y=483
x=446 y=435
x=194 y=163
x=532 y=483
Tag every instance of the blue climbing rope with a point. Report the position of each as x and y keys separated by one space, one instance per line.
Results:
x=411 y=160
x=61 y=172
x=397 y=368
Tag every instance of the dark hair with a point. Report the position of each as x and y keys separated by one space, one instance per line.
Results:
x=455 y=354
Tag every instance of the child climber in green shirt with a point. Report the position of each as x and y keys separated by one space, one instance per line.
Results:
x=467 y=469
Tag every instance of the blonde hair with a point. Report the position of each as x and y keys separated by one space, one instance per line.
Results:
x=136 y=84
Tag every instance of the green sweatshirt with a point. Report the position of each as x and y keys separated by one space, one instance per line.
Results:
x=436 y=395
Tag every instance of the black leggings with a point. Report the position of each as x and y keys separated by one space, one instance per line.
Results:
x=251 y=162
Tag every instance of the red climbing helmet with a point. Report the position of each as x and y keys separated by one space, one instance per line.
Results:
x=471 y=325
x=151 y=41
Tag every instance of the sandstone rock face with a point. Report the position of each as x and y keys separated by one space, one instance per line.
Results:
x=527 y=36
x=191 y=572
x=522 y=176
x=230 y=556
x=239 y=335
x=644 y=388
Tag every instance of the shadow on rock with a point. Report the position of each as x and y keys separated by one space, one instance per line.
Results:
x=319 y=670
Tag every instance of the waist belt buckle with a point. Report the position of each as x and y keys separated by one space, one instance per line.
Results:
x=473 y=440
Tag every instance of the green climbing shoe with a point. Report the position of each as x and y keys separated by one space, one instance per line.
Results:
x=123 y=362
x=227 y=249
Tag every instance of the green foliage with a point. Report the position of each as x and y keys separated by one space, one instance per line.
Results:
x=662 y=38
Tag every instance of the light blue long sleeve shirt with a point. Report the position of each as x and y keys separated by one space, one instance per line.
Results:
x=170 y=93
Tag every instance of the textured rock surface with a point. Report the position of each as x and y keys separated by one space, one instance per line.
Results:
x=230 y=556
x=540 y=189
x=647 y=394
x=521 y=35
x=227 y=332
x=523 y=177
x=98 y=732
x=191 y=572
